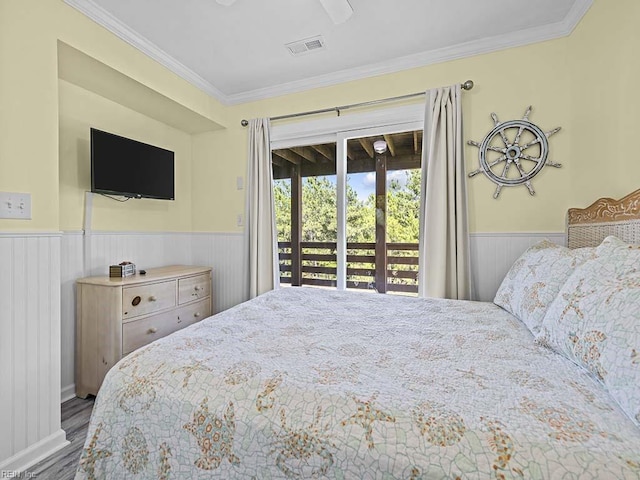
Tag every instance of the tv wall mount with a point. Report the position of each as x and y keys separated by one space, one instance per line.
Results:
x=513 y=153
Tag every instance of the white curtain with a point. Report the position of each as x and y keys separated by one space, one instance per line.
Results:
x=444 y=238
x=261 y=234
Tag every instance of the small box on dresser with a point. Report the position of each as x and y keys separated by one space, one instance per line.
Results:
x=115 y=316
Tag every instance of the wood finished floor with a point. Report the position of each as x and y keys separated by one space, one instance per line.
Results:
x=62 y=464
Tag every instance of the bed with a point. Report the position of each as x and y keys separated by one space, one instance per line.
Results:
x=309 y=383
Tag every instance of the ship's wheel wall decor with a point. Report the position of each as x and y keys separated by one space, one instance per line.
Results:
x=513 y=153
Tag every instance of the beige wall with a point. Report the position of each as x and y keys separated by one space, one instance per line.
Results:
x=79 y=111
x=583 y=83
x=495 y=91
x=29 y=32
x=605 y=98
x=28 y=113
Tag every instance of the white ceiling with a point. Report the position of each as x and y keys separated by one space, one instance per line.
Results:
x=237 y=53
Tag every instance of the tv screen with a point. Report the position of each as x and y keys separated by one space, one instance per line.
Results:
x=121 y=166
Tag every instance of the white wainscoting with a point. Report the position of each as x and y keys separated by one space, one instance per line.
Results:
x=71 y=268
x=29 y=349
x=146 y=250
x=221 y=251
x=492 y=254
x=224 y=252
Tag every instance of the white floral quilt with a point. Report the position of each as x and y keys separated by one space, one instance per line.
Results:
x=307 y=383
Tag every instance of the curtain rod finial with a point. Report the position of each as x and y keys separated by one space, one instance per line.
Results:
x=244 y=122
x=468 y=85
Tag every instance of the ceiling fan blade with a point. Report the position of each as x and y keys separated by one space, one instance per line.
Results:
x=339 y=10
x=226 y=3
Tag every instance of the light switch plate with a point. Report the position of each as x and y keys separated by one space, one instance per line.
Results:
x=239 y=183
x=15 y=205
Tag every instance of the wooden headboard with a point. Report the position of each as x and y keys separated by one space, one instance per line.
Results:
x=587 y=227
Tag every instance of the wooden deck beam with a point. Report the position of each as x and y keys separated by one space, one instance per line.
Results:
x=306 y=153
x=326 y=151
x=368 y=146
x=390 y=144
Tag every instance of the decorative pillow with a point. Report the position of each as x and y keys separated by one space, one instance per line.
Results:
x=595 y=321
x=535 y=278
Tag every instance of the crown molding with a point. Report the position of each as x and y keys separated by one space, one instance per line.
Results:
x=579 y=9
x=463 y=50
x=133 y=38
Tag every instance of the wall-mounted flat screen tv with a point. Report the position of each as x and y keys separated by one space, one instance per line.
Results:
x=121 y=166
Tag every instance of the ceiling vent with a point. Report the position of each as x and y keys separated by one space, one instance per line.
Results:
x=308 y=45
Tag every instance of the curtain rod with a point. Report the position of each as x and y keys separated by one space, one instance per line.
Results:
x=468 y=85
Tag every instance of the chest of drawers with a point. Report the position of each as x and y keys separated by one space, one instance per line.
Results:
x=115 y=316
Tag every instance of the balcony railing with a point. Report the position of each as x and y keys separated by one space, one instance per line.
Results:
x=319 y=265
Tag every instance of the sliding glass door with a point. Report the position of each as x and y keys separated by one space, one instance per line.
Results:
x=347 y=209
x=306 y=214
x=382 y=210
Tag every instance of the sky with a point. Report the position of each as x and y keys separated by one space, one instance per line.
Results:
x=365 y=183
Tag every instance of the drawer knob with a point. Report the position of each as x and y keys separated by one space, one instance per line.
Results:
x=197 y=288
x=152 y=298
x=152 y=330
x=197 y=314
x=136 y=301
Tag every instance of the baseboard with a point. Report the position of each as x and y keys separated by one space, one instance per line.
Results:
x=34 y=453
x=67 y=393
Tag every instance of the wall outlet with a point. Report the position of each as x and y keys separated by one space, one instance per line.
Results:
x=239 y=220
x=239 y=183
x=15 y=205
